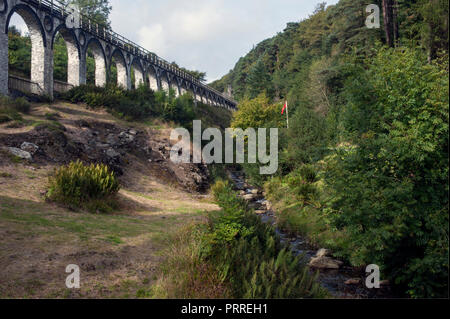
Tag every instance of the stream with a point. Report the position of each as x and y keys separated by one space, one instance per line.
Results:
x=334 y=280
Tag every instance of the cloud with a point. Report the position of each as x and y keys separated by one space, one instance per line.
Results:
x=206 y=35
x=153 y=37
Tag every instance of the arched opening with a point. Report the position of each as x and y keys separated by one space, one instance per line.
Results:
x=26 y=50
x=118 y=70
x=183 y=88
x=174 y=86
x=66 y=59
x=19 y=48
x=95 y=64
x=165 y=82
x=137 y=74
x=152 y=79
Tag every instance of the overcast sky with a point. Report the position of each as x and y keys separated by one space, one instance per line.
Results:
x=205 y=35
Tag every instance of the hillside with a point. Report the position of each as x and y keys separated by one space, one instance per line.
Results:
x=363 y=160
x=280 y=65
x=119 y=252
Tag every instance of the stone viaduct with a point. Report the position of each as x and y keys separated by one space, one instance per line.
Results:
x=46 y=18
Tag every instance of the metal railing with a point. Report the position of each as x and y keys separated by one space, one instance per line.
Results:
x=87 y=24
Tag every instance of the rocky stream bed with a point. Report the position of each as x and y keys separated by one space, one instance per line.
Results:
x=341 y=280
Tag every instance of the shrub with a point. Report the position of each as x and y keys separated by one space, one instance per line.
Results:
x=301 y=183
x=52 y=116
x=9 y=109
x=184 y=274
x=135 y=104
x=21 y=105
x=4 y=118
x=80 y=185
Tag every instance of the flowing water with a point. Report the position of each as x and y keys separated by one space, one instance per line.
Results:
x=332 y=280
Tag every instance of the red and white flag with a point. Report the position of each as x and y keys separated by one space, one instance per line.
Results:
x=284 y=107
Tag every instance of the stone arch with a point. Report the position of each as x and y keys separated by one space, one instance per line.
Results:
x=123 y=78
x=184 y=87
x=152 y=76
x=174 y=85
x=40 y=56
x=31 y=19
x=100 y=60
x=73 y=53
x=136 y=65
x=165 y=82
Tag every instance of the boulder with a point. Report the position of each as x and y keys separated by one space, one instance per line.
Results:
x=325 y=263
x=249 y=197
x=353 y=281
x=260 y=212
x=112 y=153
x=29 y=147
x=102 y=145
x=255 y=191
x=111 y=139
x=323 y=252
x=126 y=138
x=20 y=153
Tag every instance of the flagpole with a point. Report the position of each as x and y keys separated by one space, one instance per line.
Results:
x=287 y=114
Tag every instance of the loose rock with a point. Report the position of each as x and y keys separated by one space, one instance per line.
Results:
x=323 y=252
x=325 y=263
x=20 y=153
x=249 y=197
x=112 y=153
x=29 y=147
x=353 y=281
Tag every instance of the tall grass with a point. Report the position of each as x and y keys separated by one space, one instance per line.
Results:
x=84 y=186
x=184 y=274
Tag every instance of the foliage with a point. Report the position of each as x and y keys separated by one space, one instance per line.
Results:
x=136 y=104
x=10 y=109
x=97 y=10
x=270 y=270
x=19 y=53
x=257 y=113
x=184 y=274
x=86 y=186
x=373 y=123
x=391 y=192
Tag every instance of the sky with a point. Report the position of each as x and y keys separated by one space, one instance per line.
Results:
x=205 y=35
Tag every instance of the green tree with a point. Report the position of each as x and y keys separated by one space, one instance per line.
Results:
x=19 y=53
x=97 y=10
x=390 y=191
x=258 y=80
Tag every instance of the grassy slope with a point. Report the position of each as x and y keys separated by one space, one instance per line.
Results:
x=118 y=254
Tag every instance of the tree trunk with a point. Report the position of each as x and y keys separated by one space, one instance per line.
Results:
x=388 y=15
x=395 y=23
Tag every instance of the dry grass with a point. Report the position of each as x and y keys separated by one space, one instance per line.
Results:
x=119 y=254
x=183 y=275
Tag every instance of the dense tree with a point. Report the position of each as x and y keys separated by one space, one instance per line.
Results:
x=258 y=79
x=369 y=111
x=97 y=10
